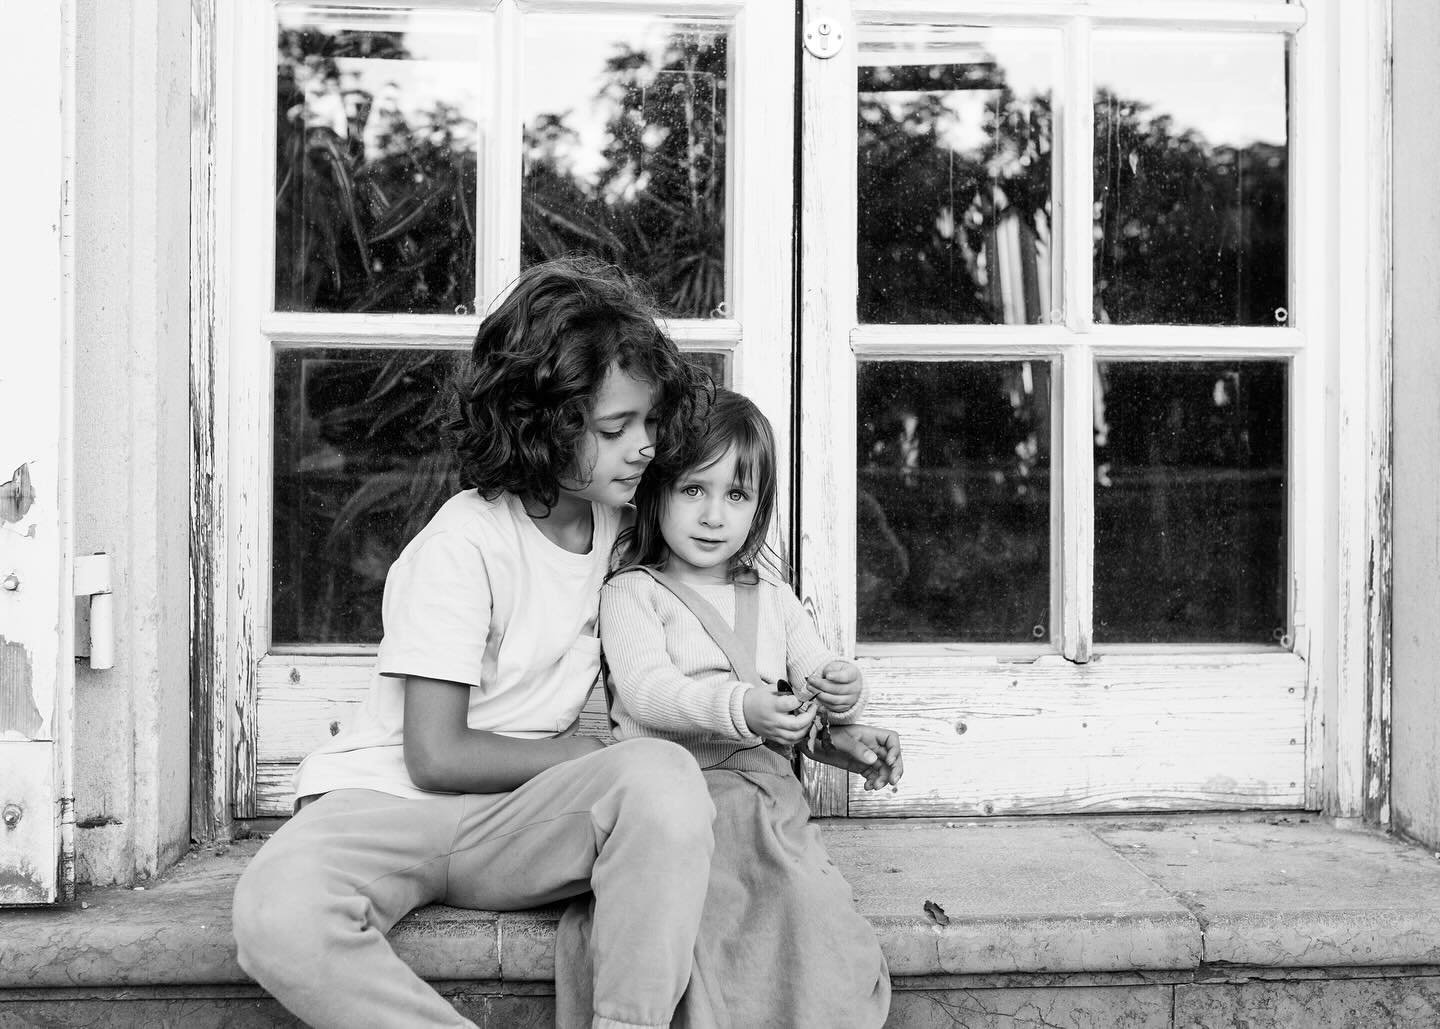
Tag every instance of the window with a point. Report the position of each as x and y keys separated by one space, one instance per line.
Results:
x=394 y=167
x=1066 y=349
x=1058 y=361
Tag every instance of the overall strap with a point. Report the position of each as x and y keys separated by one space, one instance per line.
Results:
x=737 y=644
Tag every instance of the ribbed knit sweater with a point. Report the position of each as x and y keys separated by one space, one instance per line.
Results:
x=669 y=679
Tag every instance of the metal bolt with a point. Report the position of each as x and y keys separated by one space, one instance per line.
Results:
x=12 y=815
x=961 y=728
x=11 y=582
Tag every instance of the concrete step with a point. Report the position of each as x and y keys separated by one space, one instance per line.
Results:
x=1273 y=920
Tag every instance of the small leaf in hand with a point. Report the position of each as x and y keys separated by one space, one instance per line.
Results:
x=937 y=913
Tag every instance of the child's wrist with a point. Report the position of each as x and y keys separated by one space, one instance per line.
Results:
x=739 y=713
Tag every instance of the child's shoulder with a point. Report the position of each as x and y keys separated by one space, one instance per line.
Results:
x=467 y=517
x=631 y=579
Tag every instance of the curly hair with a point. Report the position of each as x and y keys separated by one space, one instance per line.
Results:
x=520 y=406
x=730 y=419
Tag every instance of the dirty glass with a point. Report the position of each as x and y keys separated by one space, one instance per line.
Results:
x=1190 y=502
x=1191 y=179
x=954 y=176
x=378 y=116
x=953 y=501
x=359 y=469
x=624 y=122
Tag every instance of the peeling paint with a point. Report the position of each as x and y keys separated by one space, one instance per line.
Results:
x=17 y=495
x=96 y=821
x=18 y=713
x=20 y=884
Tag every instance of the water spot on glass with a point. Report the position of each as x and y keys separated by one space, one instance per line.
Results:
x=1281 y=316
x=1038 y=631
x=722 y=310
x=462 y=309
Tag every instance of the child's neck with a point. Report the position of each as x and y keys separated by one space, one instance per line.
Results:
x=682 y=572
x=570 y=524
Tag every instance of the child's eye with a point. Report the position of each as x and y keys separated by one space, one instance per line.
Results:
x=690 y=491
x=739 y=496
x=612 y=435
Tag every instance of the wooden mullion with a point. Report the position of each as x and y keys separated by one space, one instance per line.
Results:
x=826 y=550
x=1191 y=15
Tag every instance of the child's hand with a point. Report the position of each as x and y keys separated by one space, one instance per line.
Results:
x=837 y=687
x=865 y=750
x=781 y=717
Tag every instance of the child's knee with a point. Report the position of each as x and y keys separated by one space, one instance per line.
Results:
x=269 y=921
x=667 y=783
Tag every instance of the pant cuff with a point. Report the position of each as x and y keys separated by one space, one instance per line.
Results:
x=602 y=1022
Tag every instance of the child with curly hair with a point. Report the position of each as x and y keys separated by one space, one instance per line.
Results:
x=460 y=779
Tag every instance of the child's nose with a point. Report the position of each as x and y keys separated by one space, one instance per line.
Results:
x=646 y=449
x=713 y=513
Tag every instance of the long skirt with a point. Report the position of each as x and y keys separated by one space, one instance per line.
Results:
x=780 y=941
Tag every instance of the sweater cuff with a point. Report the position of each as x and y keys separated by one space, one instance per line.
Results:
x=737 y=712
x=851 y=713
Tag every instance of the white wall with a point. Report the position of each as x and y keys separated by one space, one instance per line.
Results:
x=1415 y=709
x=131 y=432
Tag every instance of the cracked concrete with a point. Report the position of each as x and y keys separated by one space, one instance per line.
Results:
x=1091 y=921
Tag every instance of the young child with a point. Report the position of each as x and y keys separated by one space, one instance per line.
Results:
x=697 y=643
x=458 y=780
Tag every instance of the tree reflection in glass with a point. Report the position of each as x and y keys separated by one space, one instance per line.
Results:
x=1190 y=502
x=953 y=501
x=359 y=468
x=1191 y=180
x=625 y=128
x=377 y=130
x=954 y=177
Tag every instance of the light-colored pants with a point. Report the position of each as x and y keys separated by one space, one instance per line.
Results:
x=631 y=822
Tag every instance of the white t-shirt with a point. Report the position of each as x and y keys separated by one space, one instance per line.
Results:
x=482 y=597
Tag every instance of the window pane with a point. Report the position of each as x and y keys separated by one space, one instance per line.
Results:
x=955 y=144
x=359 y=469
x=1191 y=180
x=716 y=365
x=378 y=118
x=625 y=126
x=953 y=527
x=1190 y=493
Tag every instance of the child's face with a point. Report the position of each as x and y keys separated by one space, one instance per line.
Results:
x=707 y=518
x=620 y=442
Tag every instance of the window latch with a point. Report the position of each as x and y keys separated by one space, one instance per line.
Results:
x=824 y=36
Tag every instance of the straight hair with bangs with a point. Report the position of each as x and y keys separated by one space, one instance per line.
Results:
x=731 y=420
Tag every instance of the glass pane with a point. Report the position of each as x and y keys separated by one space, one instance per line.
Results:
x=955 y=146
x=1191 y=180
x=715 y=365
x=953 y=528
x=378 y=120
x=359 y=469
x=1190 y=493
x=625 y=125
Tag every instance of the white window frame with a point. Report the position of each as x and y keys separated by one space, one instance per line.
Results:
x=1326 y=692
x=279 y=703
x=1340 y=137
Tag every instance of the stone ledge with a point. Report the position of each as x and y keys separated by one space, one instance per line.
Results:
x=1176 y=899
